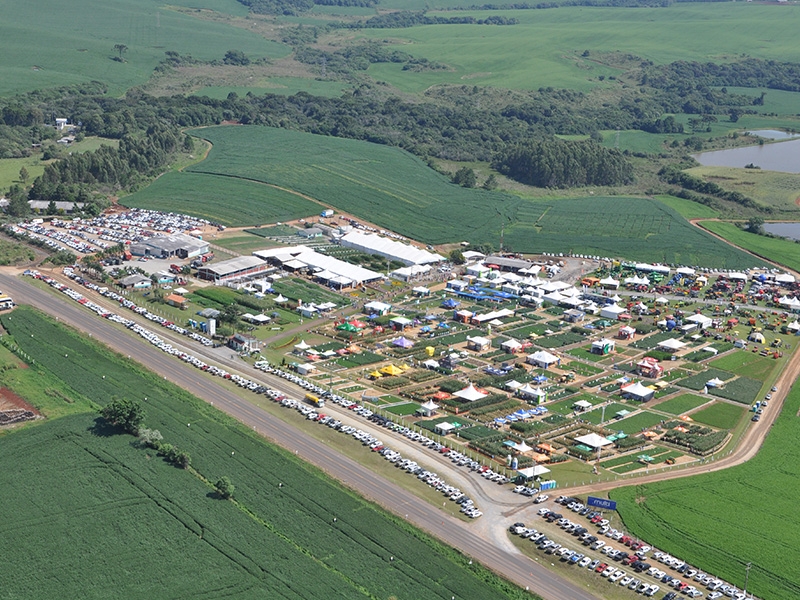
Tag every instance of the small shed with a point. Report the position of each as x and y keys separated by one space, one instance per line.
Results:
x=177 y=300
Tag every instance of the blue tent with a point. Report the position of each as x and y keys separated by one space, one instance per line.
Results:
x=539 y=379
x=500 y=421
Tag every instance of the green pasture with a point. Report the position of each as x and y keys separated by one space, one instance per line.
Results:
x=769 y=188
x=688 y=209
x=721 y=415
x=245 y=243
x=703 y=520
x=746 y=364
x=545 y=48
x=681 y=404
x=85 y=496
x=278 y=85
x=636 y=140
x=51 y=43
x=779 y=102
x=226 y=200
x=779 y=250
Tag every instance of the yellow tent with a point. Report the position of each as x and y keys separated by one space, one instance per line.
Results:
x=430 y=350
x=405 y=367
x=376 y=374
x=391 y=370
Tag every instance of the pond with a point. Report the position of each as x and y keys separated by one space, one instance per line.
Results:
x=787 y=230
x=773 y=134
x=783 y=156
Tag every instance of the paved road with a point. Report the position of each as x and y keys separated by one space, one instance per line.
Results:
x=512 y=565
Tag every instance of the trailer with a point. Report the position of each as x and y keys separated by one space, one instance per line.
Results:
x=315 y=401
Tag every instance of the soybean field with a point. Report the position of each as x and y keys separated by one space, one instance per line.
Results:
x=91 y=514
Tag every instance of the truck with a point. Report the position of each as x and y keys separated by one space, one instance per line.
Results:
x=315 y=401
x=6 y=303
x=327 y=213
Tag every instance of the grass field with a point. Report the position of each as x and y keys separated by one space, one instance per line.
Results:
x=74 y=42
x=398 y=191
x=680 y=404
x=781 y=251
x=636 y=423
x=688 y=209
x=769 y=188
x=746 y=364
x=83 y=497
x=720 y=415
x=544 y=48
x=701 y=519
x=409 y=408
x=226 y=200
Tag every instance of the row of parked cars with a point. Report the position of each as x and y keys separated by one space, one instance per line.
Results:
x=51 y=237
x=685 y=580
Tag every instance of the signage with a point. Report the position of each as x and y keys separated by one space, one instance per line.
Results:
x=601 y=503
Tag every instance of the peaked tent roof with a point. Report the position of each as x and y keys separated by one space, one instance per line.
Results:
x=470 y=393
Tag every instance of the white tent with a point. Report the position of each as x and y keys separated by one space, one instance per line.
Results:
x=612 y=311
x=685 y=271
x=302 y=345
x=671 y=344
x=638 y=391
x=512 y=345
x=662 y=300
x=281 y=299
x=593 y=440
x=609 y=282
x=716 y=382
x=702 y=321
x=582 y=405
x=532 y=472
x=470 y=394
x=542 y=358
x=181 y=291
x=522 y=447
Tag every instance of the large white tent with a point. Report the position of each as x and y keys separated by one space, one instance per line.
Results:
x=470 y=394
x=593 y=440
x=374 y=244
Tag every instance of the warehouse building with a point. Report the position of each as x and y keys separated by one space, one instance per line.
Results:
x=242 y=267
x=165 y=246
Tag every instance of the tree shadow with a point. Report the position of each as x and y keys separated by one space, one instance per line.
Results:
x=215 y=495
x=103 y=428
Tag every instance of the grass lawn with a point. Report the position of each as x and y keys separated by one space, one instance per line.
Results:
x=245 y=243
x=585 y=352
x=595 y=415
x=746 y=364
x=641 y=420
x=681 y=404
x=403 y=410
x=721 y=415
x=784 y=252
x=769 y=188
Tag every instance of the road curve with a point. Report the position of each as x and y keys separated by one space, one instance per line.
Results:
x=513 y=566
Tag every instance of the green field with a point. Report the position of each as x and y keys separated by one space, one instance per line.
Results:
x=636 y=423
x=86 y=500
x=704 y=519
x=681 y=404
x=545 y=48
x=778 y=250
x=746 y=364
x=769 y=188
x=688 y=209
x=409 y=408
x=51 y=43
x=720 y=415
x=398 y=191
x=226 y=200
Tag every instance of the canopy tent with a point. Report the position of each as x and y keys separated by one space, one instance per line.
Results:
x=441 y=395
x=376 y=374
x=715 y=382
x=609 y=282
x=637 y=391
x=392 y=370
x=671 y=345
x=662 y=300
x=535 y=471
x=522 y=447
x=403 y=342
x=582 y=405
x=593 y=440
x=302 y=345
x=542 y=358
x=347 y=327
x=181 y=291
x=470 y=394
x=281 y=299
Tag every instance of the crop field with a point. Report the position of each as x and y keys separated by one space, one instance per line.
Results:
x=769 y=188
x=702 y=519
x=721 y=415
x=741 y=389
x=681 y=404
x=595 y=416
x=300 y=289
x=97 y=499
x=698 y=382
x=746 y=364
x=227 y=200
x=688 y=209
x=779 y=250
x=638 y=422
x=75 y=41
x=545 y=48
x=397 y=191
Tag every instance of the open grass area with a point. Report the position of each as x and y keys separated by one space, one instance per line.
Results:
x=595 y=416
x=746 y=364
x=700 y=518
x=779 y=250
x=681 y=404
x=74 y=42
x=83 y=495
x=688 y=209
x=409 y=408
x=769 y=188
x=227 y=200
x=398 y=191
x=721 y=415
x=632 y=425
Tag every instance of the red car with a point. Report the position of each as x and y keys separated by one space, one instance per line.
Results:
x=601 y=567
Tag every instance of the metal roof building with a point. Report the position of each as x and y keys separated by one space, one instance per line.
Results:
x=373 y=244
x=241 y=266
x=178 y=244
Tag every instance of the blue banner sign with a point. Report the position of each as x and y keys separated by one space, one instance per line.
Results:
x=601 y=503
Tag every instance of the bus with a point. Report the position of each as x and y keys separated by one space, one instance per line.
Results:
x=315 y=401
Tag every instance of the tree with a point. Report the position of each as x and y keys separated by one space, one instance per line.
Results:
x=24 y=175
x=224 y=487
x=465 y=177
x=229 y=314
x=490 y=183
x=121 y=49
x=17 y=202
x=456 y=257
x=151 y=438
x=236 y=57
x=183 y=460
x=125 y=414
x=755 y=225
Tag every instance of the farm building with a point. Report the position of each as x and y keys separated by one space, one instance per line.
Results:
x=649 y=367
x=478 y=343
x=504 y=263
x=164 y=246
x=310 y=232
x=472 y=256
x=135 y=281
x=340 y=273
x=543 y=359
x=637 y=391
x=236 y=268
x=603 y=346
x=243 y=343
x=374 y=244
x=177 y=300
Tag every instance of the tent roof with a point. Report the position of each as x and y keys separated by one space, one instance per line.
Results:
x=470 y=393
x=429 y=405
x=543 y=356
x=533 y=471
x=593 y=440
x=637 y=389
x=583 y=404
x=671 y=344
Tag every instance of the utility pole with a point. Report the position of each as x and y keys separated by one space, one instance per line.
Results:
x=746 y=576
